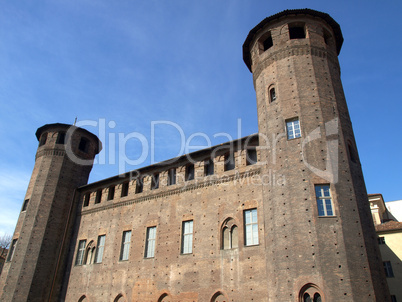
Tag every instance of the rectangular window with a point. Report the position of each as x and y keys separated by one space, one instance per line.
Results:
x=190 y=172
x=324 y=200
x=251 y=156
x=139 y=185
x=150 y=242
x=293 y=128
x=393 y=298
x=98 y=196
x=125 y=245
x=297 y=31
x=86 y=199
x=171 y=177
x=25 y=205
x=61 y=138
x=99 y=248
x=229 y=161
x=155 y=181
x=209 y=167
x=80 y=252
x=381 y=240
x=12 y=249
x=388 y=269
x=187 y=237
x=110 y=195
x=251 y=227
x=124 y=189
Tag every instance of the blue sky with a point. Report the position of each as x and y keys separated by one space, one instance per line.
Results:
x=129 y=63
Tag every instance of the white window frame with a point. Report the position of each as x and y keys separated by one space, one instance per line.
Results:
x=125 y=246
x=187 y=237
x=325 y=206
x=251 y=227
x=150 y=242
x=293 y=129
x=100 y=247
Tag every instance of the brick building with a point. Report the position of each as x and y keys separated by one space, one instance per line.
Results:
x=281 y=215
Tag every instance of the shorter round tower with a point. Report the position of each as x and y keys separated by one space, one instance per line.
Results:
x=63 y=161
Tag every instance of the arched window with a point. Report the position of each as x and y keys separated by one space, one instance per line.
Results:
x=310 y=293
x=83 y=298
x=230 y=237
x=90 y=253
x=164 y=298
x=119 y=298
x=272 y=94
x=219 y=297
x=43 y=139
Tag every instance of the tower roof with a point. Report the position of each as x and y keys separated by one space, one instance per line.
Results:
x=292 y=12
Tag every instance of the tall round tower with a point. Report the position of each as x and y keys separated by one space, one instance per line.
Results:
x=321 y=242
x=63 y=162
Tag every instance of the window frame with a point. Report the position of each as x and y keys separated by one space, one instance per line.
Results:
x=250 y=237
x=125 y=245
x=323 y=206
x=171 y=177
x=293 y=132
x=187 y=237
x=100 y=248
x=150 y=242
x=389 y=272
x=79 y=258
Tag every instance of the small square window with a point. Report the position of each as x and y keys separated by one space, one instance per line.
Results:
x=293 y=128
x=297 y=31
x=381 y=240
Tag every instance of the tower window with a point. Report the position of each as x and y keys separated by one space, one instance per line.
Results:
x=150 y=242
x=297 y=31
x=124 y=189
x=25 y=205
x=381 y=240
x=43 y=139
x=171 y=177
x=293 y=128
x=86 y=199
x=12 y=249
x=110 y=195
x=229 y=161
x=155 y=181
x=265 y=42
x=324 y=200
x=61 y=137
x=190 y=172
x=83 y=145
x=209 y=167
x=98 y=198
x=139 y=185
x=251 y=156
x=272 y=95
x=327 y=36
x=389 y=273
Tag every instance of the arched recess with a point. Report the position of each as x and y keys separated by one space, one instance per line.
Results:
x=83 y=298
x=219 y=297
x=89 y=253
x=310 y=293
x=165 y=298
x=119 y=298
x=230 y=234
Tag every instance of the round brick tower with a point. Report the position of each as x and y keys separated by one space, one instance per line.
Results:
x=63 y=162
x=321 y=241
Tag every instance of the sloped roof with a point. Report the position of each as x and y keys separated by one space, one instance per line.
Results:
x=389 y=226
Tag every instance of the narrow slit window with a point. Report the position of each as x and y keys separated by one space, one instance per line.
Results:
x=139 y=186
x=98 y=198
x=155 y=181
x=190 y=172
x=272 y=95
x=209 y=167
x=12 y=249
x=229 y=161
x=43 y=139
x=124 y=189
x=86 y=199
x=25 y=205
x=110 y=195
x=171 y=177
x=83 y=145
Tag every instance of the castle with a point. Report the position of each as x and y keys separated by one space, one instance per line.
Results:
x=212 y=225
